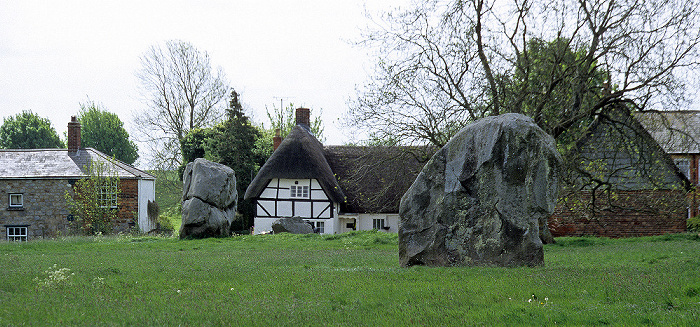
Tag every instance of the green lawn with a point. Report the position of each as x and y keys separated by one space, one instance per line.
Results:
x=348 y=280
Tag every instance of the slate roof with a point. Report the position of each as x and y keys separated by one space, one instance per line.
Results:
x=57 y=163
x=678 y=132
x=300 y=155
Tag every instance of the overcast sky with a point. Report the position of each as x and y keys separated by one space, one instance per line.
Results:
x=55 y=55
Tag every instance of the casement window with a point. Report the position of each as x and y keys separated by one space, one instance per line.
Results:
x=683 y=165
x=16 y=200
x=299 y=191
x=17 y=233
x=107 y=192
x=378 y=223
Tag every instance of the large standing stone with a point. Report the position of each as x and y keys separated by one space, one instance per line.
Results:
x=480 y=199
x=209 y=199
x=294 y=225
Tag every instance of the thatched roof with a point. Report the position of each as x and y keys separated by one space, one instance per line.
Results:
x=300 y=155
x=374 y=178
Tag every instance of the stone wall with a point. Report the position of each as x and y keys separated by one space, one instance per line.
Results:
x=45 y=210
x=631 y=213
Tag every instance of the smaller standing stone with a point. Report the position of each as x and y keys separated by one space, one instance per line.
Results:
x=209 y=199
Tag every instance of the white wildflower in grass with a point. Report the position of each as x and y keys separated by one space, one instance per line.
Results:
x=54 y=276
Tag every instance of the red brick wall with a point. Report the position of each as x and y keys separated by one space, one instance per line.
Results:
x=630 y=213
x=128 y=204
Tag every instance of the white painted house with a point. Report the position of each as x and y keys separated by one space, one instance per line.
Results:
x=335 y=188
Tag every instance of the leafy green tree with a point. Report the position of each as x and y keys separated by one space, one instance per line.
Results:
x=27 y=130
x=104 y=131
x=93 y=201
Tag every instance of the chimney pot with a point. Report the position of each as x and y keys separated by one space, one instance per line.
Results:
x=73 y=135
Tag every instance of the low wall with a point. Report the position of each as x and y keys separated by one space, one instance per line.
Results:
x=624 y=214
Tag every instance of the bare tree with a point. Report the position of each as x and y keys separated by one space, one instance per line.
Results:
x=182 y=92
x=443 y=64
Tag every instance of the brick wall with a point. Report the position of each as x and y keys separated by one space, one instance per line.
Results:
x=45 y=211
x=627 y=214
x=128 y=204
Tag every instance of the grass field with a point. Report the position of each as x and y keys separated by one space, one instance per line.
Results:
x=347 y=280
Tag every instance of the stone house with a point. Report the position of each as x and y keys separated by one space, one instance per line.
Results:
x=335 y=188
x=33 y=184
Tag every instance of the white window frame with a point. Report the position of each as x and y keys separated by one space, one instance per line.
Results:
x=378 y=223
x=107 y=193
x=321 y=226
x=683 y=165
x=17 y=233
x=16 y=205
x=299 y=191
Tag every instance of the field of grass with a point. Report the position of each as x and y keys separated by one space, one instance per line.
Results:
x=347 y=280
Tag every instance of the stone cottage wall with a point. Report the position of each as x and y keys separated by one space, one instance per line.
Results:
x=44 y=211
x=631 y=213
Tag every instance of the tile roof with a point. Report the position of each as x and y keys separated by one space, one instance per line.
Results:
x=57 y=163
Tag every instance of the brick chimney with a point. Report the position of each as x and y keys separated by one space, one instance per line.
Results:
x=276 y=140
x=303 y=117
x=73 y=135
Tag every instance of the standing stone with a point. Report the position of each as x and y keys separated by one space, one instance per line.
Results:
x=209 y=199
x=480 y=199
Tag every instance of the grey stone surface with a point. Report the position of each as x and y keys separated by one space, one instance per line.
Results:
x=481 y=199
x=294 y=225
x=209 y=200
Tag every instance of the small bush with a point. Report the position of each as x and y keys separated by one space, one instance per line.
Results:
x=694 y=224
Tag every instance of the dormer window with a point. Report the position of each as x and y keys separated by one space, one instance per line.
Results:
x=299 y=191
x=16 y=200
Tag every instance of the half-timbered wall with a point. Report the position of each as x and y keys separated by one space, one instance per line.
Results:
x=303 y=198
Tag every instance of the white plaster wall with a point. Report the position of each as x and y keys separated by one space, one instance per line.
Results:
x=147 y=191
x=365 y=221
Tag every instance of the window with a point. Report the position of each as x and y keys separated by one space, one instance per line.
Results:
x=297 y=191
x=378 y=223
x=320 y=227
x=107 y=193
x=16 y=200
x=684 y=166
x=17 y=233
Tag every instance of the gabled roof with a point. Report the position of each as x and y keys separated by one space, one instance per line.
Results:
x=300 y=156
x=678 y=132
x=374 y=178
x=618 y=150
x=58 y=163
